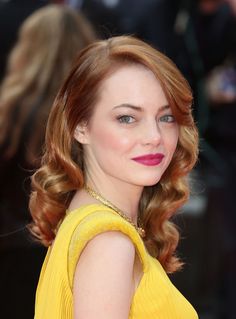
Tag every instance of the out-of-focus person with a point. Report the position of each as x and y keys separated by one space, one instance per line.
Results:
x=232 y=4
x=48 y=43
x=211 y=41
x=221 y=134
x=12 y=15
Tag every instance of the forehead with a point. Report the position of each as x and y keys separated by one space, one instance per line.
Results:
x=132 y=83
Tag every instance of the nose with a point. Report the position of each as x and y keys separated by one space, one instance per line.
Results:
x=151 y=134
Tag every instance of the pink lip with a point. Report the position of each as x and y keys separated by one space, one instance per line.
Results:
x=149 y=159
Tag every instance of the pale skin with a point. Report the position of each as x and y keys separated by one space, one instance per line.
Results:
x=132 y=118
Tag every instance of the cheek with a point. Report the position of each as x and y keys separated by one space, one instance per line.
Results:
x=110 y=139
x=172 y=141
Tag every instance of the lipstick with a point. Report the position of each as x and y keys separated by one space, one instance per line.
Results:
x=149 y=159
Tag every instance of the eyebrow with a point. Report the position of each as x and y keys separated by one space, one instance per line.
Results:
x=127 y=105
x=139 y=108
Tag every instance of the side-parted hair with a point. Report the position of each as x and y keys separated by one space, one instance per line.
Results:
x=61 y=173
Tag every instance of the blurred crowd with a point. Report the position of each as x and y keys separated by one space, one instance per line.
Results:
x=39 y=42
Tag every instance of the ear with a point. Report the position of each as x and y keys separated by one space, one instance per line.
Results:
x=81 y=133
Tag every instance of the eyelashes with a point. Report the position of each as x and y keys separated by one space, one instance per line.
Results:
x=129 y=119
x=126 y=119
x=168 y=118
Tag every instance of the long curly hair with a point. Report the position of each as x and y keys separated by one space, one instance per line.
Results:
x=48 y=43
x=61 y=173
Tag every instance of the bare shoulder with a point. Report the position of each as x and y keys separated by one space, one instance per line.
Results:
x=103 y=281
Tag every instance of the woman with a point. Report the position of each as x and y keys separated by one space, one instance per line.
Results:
x=119 y=143
x=48 y=43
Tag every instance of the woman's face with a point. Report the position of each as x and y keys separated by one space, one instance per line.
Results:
x=132 y=134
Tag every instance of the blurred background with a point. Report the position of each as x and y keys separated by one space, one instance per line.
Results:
x=39 y=41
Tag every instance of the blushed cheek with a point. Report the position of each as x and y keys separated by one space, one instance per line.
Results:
x=175 y=142
x=171 y=144
x=110 y=140
x=174 y=138
x=174 y=145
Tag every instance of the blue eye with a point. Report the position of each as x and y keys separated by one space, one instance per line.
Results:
x=167 y=118
x=127 y=119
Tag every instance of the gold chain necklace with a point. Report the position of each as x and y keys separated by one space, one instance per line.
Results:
x=104 y=201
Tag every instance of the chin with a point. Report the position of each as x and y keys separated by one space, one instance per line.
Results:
x=151 y=181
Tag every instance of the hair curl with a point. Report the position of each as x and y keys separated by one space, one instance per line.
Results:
x=61 y=173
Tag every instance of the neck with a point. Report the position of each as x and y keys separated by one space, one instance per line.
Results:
x=107 y=203
x=122 y=195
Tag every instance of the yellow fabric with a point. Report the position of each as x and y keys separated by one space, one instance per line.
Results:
x=155 y=297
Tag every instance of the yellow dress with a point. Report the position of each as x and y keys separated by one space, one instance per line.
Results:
x=155 y=296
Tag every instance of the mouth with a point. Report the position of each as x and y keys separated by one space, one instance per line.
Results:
x=149 y=159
